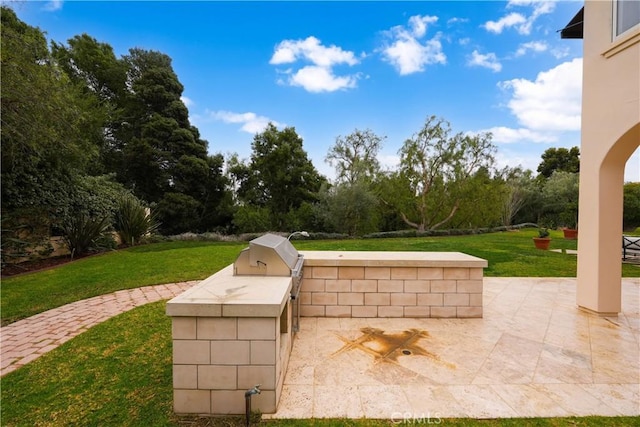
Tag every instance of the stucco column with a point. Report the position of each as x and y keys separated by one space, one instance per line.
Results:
x=599 y=242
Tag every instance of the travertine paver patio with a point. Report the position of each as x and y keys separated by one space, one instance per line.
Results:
x=533 y=354
x=27 y=339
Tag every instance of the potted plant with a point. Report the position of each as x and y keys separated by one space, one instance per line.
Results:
x=543 y=240
x=570 y=231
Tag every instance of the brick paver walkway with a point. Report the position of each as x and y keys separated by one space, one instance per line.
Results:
x=30 y=338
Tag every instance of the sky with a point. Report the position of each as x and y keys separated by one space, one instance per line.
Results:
x=332 y=67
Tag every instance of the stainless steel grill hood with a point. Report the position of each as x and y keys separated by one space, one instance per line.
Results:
x=273 y=255
x=268 y=255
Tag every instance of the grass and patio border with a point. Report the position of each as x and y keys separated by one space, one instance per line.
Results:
x=119 y=372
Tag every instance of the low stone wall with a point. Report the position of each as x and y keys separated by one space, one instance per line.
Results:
x=406 y=284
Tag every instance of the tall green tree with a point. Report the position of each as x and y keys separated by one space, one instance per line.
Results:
x=148 y=141
x=279 y=175
x=560 y=199
x=437 y=169
x=481 y=197
x=349 y=209
x=94 y=67
x=159 y=127
x=355 y=156
x=351 y=205
x=48 y=126
x=559 y=159
x=517 y=190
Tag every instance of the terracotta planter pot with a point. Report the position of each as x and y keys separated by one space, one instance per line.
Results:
x=542 y=242
x=570 y=233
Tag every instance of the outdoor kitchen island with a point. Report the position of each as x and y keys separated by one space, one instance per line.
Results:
x=230 y=333
x=235 y=330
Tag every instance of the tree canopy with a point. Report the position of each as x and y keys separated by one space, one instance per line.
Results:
x=559 y=159
x=438 y=170
x=48 y=128
x=148 y=141
x=279 y=177
x=355 y=156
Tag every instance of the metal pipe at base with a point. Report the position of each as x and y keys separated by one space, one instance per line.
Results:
x=247 y=401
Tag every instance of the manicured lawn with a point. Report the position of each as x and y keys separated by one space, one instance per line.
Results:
x=510 y=254
x=118 y=373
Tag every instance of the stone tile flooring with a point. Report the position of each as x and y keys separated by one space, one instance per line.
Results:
x=533 y=354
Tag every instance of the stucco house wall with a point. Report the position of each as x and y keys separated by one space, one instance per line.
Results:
x=610 y=135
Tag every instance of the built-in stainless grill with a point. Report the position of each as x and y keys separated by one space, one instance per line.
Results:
x=273 y=255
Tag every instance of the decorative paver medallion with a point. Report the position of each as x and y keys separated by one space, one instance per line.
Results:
x=387 y=347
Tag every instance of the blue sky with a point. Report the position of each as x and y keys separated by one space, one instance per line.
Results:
x=328 y=68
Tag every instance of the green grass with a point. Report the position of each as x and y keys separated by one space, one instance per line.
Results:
x=118 y=373
x=510 y=254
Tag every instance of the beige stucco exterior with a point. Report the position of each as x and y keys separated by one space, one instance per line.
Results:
x=610 y=135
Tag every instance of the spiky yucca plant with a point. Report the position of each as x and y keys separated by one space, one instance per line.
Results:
x=134 y=220
x=81 y=232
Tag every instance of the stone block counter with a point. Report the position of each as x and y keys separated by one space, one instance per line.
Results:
x=230 y=333
x=391 y=284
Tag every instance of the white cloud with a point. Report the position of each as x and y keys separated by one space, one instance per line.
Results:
x=53 y=5
x=550 y=103
x=320 y=76
x=419 y=23
x=407 y=53
x=560 y=52
x=534 y=46
x=251 y=122
x=187 y=101
x=320 y=79
x=489 y=61
x=520 y=22
x=389 y=161
x=508 y=21
x=513 y=158
x=457 y=21
x=540 y=7
x=547 y=109
x=464 y=41
x=505 y=135
x=310 y=49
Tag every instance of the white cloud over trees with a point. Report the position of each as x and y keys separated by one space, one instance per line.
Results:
x=551 y=102
x=320 y=75
x=405 y=50
x=546 y=107
x=251 y=122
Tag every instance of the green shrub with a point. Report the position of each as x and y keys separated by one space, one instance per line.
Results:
x=134 y=220
x=81 y=233
x=631 y=210
x=24 y=234
x=178 y=213
x=252 y=219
